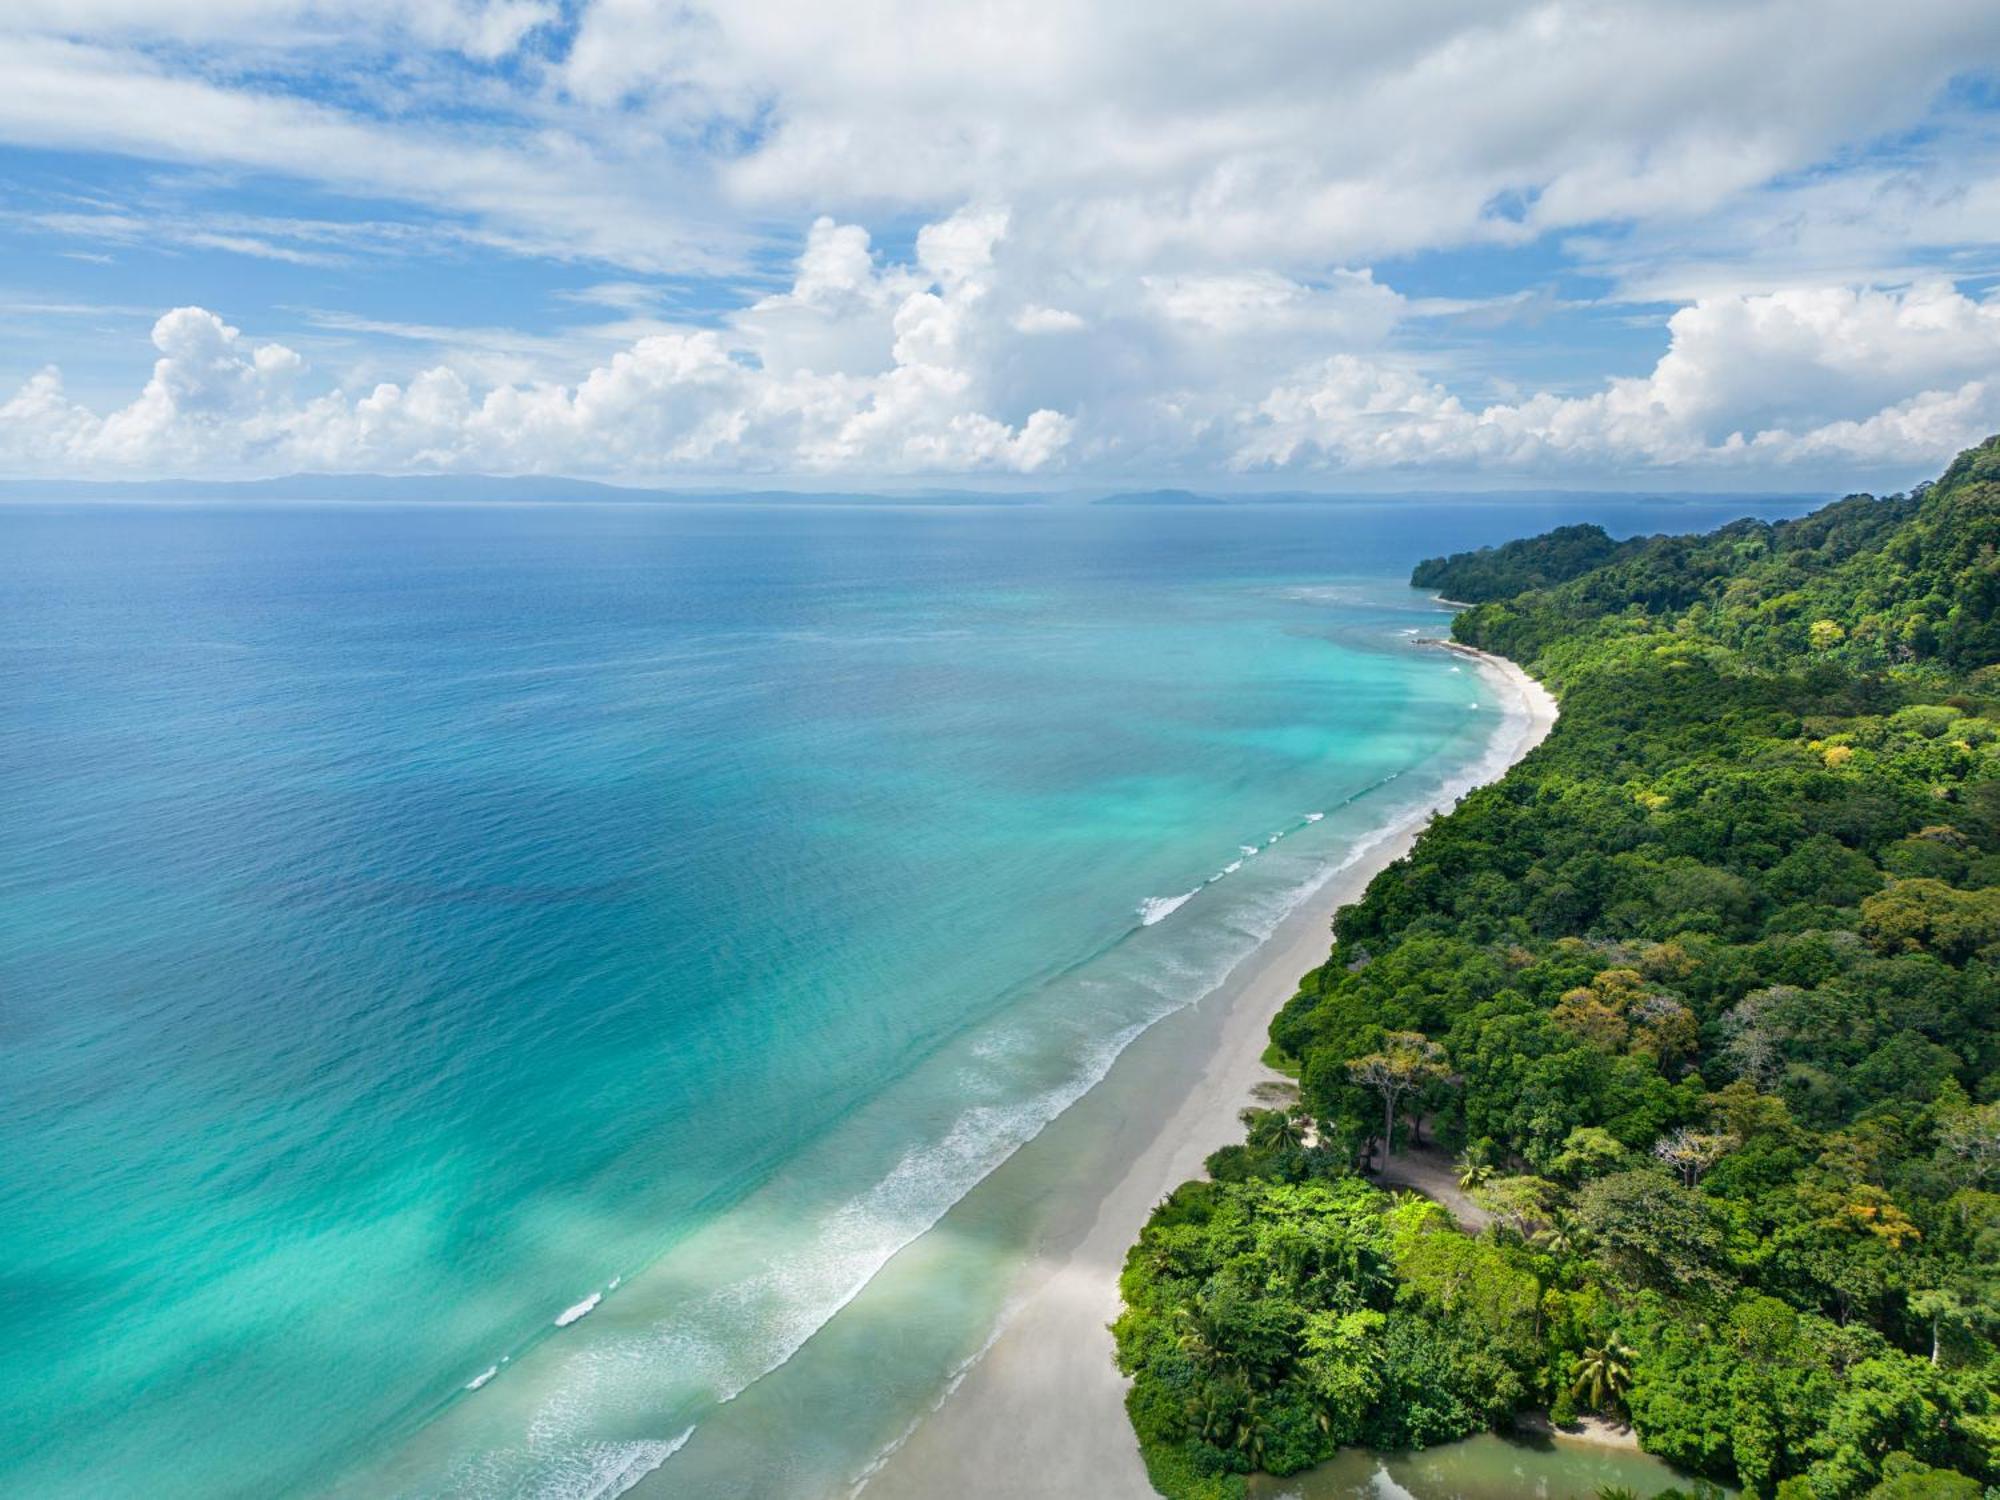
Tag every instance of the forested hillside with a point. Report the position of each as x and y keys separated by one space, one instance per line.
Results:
x=1702 y=997
x=1537 y=562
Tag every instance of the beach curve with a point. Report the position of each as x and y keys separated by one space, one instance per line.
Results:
x=1041 y=1411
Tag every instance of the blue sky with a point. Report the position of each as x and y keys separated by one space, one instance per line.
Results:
x=1711 y=245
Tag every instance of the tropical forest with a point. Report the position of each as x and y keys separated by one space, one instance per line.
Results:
x=1696 y=1009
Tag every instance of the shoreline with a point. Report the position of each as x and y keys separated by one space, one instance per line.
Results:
x=1041 y=1410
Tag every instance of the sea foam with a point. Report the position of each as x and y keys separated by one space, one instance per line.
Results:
x=1158 y=908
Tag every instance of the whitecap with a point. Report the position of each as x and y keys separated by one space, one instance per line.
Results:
x=1157 y=908
x=577 y=1310
x=1246 y=849
x=1314 y=817
x=482 y=1377
x=1233 y=867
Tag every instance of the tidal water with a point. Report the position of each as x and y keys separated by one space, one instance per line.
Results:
x=1485 y=1467
x=483 y=987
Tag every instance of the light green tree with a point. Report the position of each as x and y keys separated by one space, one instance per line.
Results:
x=1408 y=1061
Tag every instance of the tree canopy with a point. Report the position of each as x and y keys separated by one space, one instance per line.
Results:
x=1703 y=993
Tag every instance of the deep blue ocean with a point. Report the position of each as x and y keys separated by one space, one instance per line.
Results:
x=483 y=985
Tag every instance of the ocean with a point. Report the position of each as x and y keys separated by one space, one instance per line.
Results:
x=494 y=999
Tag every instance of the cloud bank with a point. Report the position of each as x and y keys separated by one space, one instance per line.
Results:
x=1117 y=247
x=938 y=366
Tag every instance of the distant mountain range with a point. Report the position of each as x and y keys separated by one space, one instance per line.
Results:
x=487 y=489
x=540 y=489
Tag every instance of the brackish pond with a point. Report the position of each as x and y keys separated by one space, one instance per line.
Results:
x=1480 y=1468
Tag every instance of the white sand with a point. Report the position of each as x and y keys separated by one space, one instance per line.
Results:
x=1042 y=1414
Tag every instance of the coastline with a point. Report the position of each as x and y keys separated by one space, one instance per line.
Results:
x=1042 y=1412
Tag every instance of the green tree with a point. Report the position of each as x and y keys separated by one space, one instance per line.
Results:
x=1406 y=1062
x=1564 y=1235
x=1655 y=1232
x=1601 y=1373
x=1719 y=964
x=1475 y=1164
x=1943 y=1312
x=1692 y=1152
x=1275 y=1129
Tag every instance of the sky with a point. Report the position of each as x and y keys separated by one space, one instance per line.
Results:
x=1297 y=244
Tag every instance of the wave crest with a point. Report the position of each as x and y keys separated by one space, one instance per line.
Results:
x=1159 y=908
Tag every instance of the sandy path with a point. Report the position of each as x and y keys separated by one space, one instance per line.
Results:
x=1042 y=1414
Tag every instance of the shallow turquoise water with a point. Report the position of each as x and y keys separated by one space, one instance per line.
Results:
x=420 y=921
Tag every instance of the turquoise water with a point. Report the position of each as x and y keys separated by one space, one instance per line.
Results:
x=424 y=923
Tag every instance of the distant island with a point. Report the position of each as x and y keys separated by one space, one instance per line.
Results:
x=1684 y=1033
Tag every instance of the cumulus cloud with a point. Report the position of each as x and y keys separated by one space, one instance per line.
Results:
x=1140 y=249
x=1780 y=378
x=209 y=390
x=864 y=367
x=745 y=399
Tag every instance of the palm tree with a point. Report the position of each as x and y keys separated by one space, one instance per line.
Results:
x=1212 y=1413
x=1275 y=1129
x=1474 y=1167
x=1605 y=1370
x=1564 y=1235
x=1252 y=1438
x=1199 y=1336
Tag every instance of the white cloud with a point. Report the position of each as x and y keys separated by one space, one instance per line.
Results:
x=684 y=401
x=622 y=296
x=531 y=189
x=1034 y=319
x=1290 y=137
x=864 y=367
x=484 y=29
x=1291 y=134
x=1144 y=247
x=1766 y=380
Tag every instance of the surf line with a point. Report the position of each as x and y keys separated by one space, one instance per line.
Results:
x=1158 y=908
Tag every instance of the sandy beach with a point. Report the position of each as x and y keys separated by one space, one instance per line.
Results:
x=1042 y=1414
